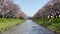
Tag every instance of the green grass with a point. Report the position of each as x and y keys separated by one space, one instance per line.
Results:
x=7 y=23
x=52 y=24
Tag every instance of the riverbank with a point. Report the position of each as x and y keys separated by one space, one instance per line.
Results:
x=52 y=24
x=7 y=23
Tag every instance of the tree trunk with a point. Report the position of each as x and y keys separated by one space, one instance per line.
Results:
x=50 y=16
x=54 y=16
x=57 y=15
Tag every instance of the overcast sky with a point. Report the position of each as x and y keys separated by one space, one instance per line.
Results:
x=30 y=7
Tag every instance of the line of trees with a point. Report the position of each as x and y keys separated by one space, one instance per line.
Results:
x=9 y=9
x=51 y=9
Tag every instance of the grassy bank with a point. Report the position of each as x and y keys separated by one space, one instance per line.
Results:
x=52 y=24
x=7 y=23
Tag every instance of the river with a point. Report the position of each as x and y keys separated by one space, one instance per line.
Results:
x=28 y=27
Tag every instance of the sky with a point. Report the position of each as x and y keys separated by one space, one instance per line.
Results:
x=30 y=7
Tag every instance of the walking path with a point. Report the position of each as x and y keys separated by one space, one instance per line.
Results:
x=29 y=27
